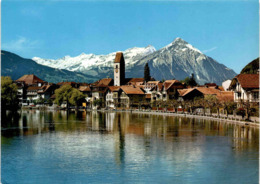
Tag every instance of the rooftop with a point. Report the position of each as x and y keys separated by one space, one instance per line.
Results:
x=30 y=79
x=131 y=90
x=247 y=80
x=119 y=57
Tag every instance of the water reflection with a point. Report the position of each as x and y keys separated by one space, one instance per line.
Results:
x=125 y=146
x=32 y=122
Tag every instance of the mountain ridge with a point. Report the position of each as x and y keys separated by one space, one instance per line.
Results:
x=177 y=60
x=15 y=66
x=180 y=59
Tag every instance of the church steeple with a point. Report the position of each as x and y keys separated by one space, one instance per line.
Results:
x=119 y=69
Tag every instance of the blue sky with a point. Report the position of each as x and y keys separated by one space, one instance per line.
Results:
x=224 y=30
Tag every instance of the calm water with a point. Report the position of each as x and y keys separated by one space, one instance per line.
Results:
x=93 y=147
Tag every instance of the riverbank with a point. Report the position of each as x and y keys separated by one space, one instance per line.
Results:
x=229 y=119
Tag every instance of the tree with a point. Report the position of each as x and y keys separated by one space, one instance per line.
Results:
x=8 y=93
x=147 y=76
x=40 y=100
x=247 y=106
x=77 y=97
x=191 y=104
x=68 y=94
x=190 y=81
x=251 y=67
x=211 y=101
x=175 y=105
x=228 y=105
x=97 y=102
x=201 y=102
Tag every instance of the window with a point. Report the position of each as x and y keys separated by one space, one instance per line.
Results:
x=238 y=95
x=255 y=96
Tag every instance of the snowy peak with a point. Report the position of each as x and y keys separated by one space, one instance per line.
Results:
x=180 y=45
x=178 y=40
x=180 y=59
x=91 y=62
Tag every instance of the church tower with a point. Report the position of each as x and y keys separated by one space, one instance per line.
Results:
x=119 y=69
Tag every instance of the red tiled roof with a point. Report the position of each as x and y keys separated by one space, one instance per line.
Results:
x=132 y=90
x=221 y=88
x=208 y=91
x=184 y=92
x=221 y=95
x=106 y=82
x=168 y=83
x=119 y=57
x=30 y=79
x=248 y=80
x=114 y=88
x=84 y=88
x=226 y=96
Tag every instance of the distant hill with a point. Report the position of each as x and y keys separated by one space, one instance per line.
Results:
x=251 y=68
x=15 y=66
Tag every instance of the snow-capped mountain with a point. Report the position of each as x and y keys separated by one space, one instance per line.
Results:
x=96 y=64
x=180 y=59
x=177 y=60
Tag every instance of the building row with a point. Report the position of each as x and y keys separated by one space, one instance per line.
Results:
x=133 y=92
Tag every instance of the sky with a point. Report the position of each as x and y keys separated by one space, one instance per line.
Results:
x=227 y=31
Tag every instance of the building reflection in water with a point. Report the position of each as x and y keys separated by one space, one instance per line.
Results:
x=123 y=126
x=119 y=140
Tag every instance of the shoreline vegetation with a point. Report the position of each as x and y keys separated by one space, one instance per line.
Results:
x=237 y=119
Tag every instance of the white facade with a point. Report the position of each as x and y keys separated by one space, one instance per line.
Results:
x=241 y=94
x=110 y=101
x=226 y=84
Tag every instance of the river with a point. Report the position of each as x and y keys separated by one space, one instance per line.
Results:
x=122 y=147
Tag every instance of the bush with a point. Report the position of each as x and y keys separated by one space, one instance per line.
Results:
x=97 y=102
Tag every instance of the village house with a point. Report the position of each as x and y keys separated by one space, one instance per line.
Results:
x=31 y=80
x=31 y=94
x=46 y=91
x=99 y=93
x=166 y=91
x=131 y=96
x=28 y=85
x=112 y=97
x=99 y=90
x=245 y=87
x=86 y=90
x=191 y=93
x=34 y=93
